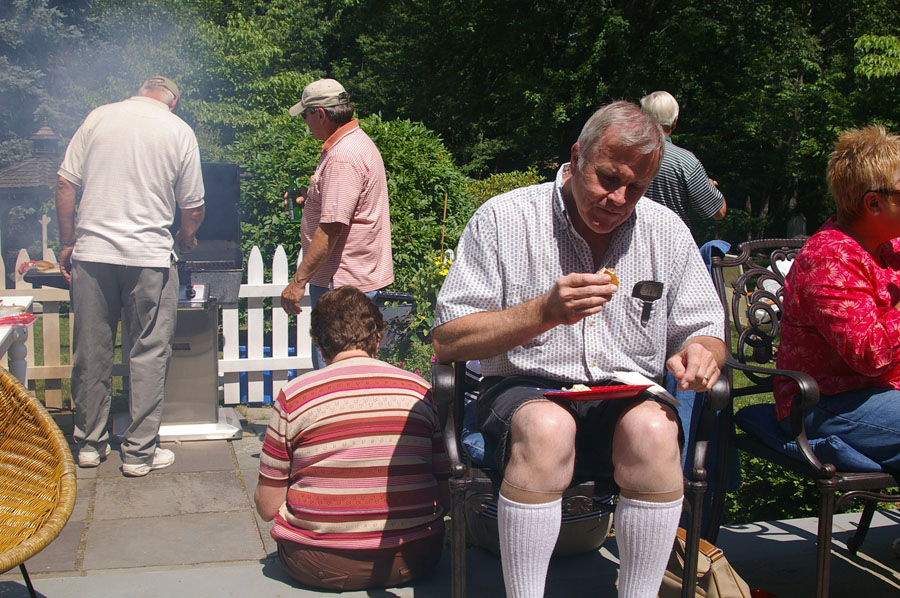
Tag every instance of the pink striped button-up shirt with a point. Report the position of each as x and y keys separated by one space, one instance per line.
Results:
x=349 y=186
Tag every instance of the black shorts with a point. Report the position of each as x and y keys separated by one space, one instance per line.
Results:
x=595 y=423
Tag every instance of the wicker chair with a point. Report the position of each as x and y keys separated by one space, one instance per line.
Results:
x=37 y=477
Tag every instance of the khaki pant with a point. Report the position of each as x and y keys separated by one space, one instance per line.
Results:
x=147 y=299
x=339 y=570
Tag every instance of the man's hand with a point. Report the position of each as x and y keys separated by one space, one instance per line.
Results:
x=185 y=242
x=291 y=296
x=65 y=263
x=299 y=200
x=697 y=364
x=186 y=237
x=578 y=295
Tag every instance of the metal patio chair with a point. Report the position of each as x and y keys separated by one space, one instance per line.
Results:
x=586 y=507
x=753 y=301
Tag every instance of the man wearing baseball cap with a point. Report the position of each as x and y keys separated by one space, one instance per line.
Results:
x=346 y=228
x=135 y=163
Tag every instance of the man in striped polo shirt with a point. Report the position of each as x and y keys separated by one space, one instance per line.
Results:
x=346 y=228
x=682 y=183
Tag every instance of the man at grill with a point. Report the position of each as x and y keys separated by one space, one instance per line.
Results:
x=528 y=297
x=682 y=184
x=135 y=163
x=350 y=465
x=345 y=228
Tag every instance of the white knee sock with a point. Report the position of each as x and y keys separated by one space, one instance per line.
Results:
x=645 y=532
x=528 y=534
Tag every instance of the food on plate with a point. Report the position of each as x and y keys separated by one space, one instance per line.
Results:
x=612 y=275
x=577 y=388
x=43 y=265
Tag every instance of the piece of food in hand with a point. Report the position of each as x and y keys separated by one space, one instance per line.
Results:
x=577 y=388
x=612 y=275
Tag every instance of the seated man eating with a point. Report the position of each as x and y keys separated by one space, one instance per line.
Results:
x=528 y=297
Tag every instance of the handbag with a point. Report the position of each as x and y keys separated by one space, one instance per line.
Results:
x=715 y=576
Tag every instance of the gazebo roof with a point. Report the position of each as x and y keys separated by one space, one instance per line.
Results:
x=38 y=171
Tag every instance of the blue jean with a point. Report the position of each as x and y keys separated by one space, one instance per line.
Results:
x=314 y=293
x=868 y=419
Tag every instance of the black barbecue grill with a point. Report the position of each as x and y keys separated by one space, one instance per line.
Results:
x=217 y=261
x=209 y=276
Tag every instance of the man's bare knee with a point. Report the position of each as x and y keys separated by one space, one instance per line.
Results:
x=545 y=426
x=542 y=447
x=647 y=431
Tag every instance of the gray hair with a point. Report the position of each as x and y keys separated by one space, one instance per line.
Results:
x=634 y=128
x=167 y=92
x=662 y=106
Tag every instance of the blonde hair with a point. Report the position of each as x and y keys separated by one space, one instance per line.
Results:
x=863 y=160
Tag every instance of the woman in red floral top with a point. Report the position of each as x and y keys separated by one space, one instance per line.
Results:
x=841 y=322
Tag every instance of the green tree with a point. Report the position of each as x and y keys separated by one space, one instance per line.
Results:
x=880 y=56
x=33 y=40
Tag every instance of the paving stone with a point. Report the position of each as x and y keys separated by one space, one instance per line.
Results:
x=177 y=540
x=60 y=554
x=165 y=494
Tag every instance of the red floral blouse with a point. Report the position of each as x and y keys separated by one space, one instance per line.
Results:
x=839 y=323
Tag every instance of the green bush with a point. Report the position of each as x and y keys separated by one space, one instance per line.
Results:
x=430 y=204
x=768 y=492
x=413 y=350
x=484 y=189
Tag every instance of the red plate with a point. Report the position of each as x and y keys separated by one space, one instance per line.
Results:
x=598 y=393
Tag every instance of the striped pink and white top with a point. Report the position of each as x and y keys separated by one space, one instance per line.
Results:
x=349 y=186
x=359 y=442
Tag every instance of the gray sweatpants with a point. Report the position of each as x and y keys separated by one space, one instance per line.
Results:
x=147 y=299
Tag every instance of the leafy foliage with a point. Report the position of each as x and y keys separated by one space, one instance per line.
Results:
x=429 y=203
x=880 y=56
x=768 y=492
x=495 y=184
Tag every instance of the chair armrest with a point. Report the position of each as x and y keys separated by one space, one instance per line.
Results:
x=808 y=396
x=446 y=398
x=717 y=399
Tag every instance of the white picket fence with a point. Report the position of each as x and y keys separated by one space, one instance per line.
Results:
x=255 y=290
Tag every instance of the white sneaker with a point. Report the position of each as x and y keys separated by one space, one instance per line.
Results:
x=162 y=458
x=90 y=457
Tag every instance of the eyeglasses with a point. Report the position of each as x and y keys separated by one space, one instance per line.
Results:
x=889 y=192
x=308 y=111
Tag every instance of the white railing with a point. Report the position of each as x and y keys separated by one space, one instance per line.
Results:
x=255 y=290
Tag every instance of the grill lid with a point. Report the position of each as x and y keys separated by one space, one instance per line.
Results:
x=211 y=255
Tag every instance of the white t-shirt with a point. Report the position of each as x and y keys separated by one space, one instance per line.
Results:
x=135 y=162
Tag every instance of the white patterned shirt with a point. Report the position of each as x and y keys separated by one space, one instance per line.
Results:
x=519 y=243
